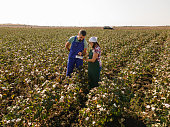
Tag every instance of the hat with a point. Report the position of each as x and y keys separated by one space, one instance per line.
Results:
x=93 y=39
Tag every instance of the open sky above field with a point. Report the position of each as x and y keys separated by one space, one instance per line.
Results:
x=86 y=12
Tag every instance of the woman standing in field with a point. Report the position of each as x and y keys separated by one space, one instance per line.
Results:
x=94 y=62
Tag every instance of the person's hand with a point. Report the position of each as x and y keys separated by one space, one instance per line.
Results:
x=85 y=59
x=80 y=53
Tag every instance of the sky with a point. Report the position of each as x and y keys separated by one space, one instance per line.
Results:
x=86 y=12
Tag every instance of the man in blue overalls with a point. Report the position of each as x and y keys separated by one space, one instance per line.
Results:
x=78 y=47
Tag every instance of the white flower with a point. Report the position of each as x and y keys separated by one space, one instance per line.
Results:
x=148 y=106
x=87 y=118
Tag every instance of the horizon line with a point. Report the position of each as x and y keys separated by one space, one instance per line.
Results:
x=15 y=24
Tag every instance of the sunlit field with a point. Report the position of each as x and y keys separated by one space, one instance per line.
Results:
x=133 y=91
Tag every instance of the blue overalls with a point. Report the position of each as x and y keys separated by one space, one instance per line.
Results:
x=76 y=47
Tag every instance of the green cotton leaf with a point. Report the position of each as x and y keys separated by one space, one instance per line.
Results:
x=28 y=111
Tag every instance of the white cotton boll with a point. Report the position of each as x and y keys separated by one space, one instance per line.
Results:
x=163 y=98
x=123 y=92
x=54 y=86
x=10 y=73
x=41 y=78
x=93 y=122
x=133 y=72
x=167 y=105
x=102 y=109
x=61 y=99
x=98 y=106
x=153 y=108
x=148 y=106
x=87 y=118
x=13 y=120
x=88 y=110
x=8 y=121
x=3 y=88
x=115 y=105
x=95 y=98
x=43 y=91
x=154 y=96
x=5 y=121
x=32 y=72
x=18 y=120
x=144 y=113
x=0 y=96
x=57 y=73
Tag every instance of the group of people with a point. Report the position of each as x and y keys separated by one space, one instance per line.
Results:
x=77 y=47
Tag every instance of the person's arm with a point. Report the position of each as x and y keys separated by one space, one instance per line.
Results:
x=67 y=46
x=84 y=52
x=95 y=56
